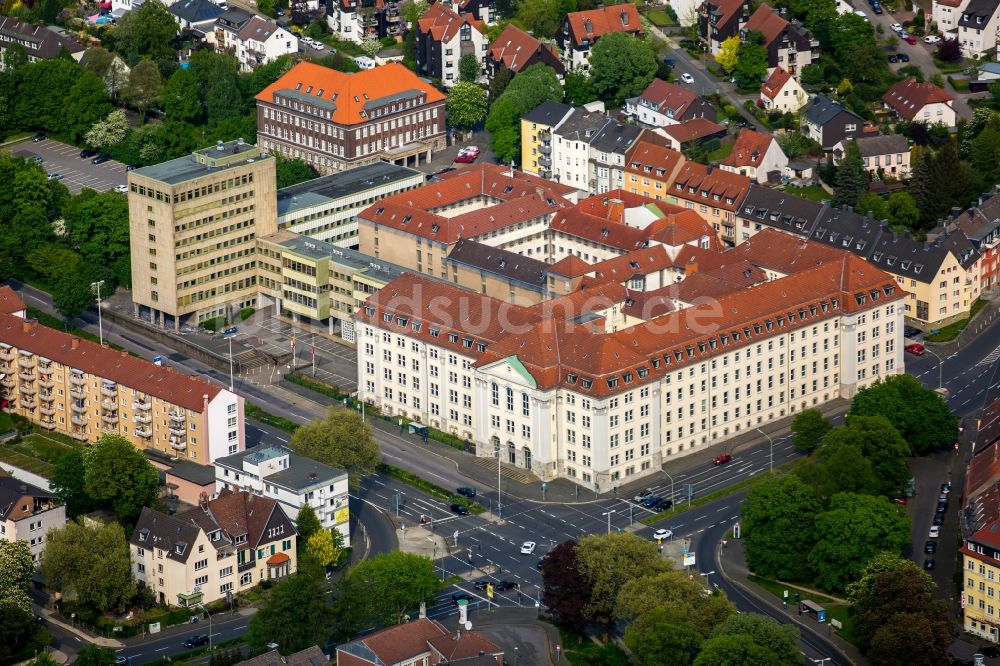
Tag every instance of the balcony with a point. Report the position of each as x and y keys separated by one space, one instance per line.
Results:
x=78 y=407
x=108 y=403
x=143 y=432
x=143 y=418
x=28 y=403
x=142 y=404
x=45 y=383
x=110 y=390
x=177 y=416
x=178 y=431
x=545 y=161
x=27 y=362
x=78 y=393
x=246 y=566
x=27 y=389
x=79 y=420
x=45 y=368
x=178 y=446
x=6 y=354
x=79 y=435
x=48 y=411
x=110 y=417
x=48 y=424
x=26 y=376
x=77 y=379
x=546 y=137
x=545 y=150
x=46 y=396
x=7 y=381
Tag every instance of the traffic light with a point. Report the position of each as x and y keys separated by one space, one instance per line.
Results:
x=489 y=590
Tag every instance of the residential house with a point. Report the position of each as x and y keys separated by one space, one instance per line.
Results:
x=718 y=20
x=887 y=154
x=663 y=103
x=443 y=37
x=536 y=136
x=292 y=480
x=607 y=155
x=422 y=641
x=198 y=16
x=186 y=481
x=947 y=13
x=228 y=27
x=650 y=168
x=38 y=41
x=756 y=156
x=789 y=45
x=828 y=122
x=11 y=303
x=483 y=10
x=690 y=132
x=764 y=207
x=311 y=656
x=260 y=42
x=28 y=513
x=714 y=193
x=86 y=390
x=782 y=92
x=336 y=121
x=978 y=27
x=356 y=20
x=981 y=225
x=223 y=546
x=581 y=30
x=920 y=102
x=515 y=50
x=571 y=144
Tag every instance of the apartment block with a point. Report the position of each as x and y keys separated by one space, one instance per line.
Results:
x=224 y=546
x=357 y=20
x=80 y=388
x=193 y=225
x=443 y=38
x=292 y=480
x=337 y=121
x=536 y=137
x=586 y=388
x=581 y=30
x=28 y=513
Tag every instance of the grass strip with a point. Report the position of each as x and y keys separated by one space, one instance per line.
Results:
x=951 y=331
x=426 y=486
x=834 y=609
x=279 y=422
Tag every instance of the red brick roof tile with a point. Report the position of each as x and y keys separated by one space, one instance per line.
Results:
x=767 y=22
x=10 y=302
x=591 y=24
x=775 y=82
x=443 y=23
x=514 y=48
x=669 y=96
x=749 y=149
x=689 y=130
x=908 y=97
x=710 y=186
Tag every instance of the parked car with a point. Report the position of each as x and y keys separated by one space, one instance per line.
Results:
x=934 y=532
x=121 y=189
x=893 y=57
x=120 y=660
x=930 y=546
x=466 y=492
x=946 y=487
x=642 y=495
x=465 y=158
x=878 y=9
x=895 y=27
x=943 y=496
x=528 y=547
x=938 y=520
x=911 y=332
x=130 y=167
x=916 y=349
x=662 y=534
x=460 y=509
x=942 y=507
x=991 y=651
x=196 y=640
x=459 y=596
x=687 y=78
x=87 y=152
x=39 y=137
x=932 y=39
x=651 y=501
x=723 y=458
x=928 y=563
x=909 y=39
x=481 y=585
x=52 y=175
x=100 y=159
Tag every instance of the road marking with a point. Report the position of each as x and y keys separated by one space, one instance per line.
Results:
x=990 y=359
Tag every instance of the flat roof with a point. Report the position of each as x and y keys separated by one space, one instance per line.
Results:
x=301 y=472
x=318 y=250
x=201 y=475
x=220 y=157
x=339 y=185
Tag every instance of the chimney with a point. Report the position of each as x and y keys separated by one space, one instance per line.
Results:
x=74 y=343
x=588 y=26
x=26 y=325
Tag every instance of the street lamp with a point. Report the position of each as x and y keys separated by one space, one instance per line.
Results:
x=940 y=367
x=209 y=626
x=608 y=514
x=230 y=339
x=100 y=324
x=772 y=446
x=706 y=575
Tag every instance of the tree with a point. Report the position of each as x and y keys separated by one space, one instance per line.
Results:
x=852 y=177
x=93 y=655
x=852 y=531
x=343 y=440
x=96 y=224
x=657 y=639
x=540 y=17
x=565 y=592
x=913 y=639
x=608 y=562
x=729 y=54
x=146 y=32
x=390 y=585
x=117 y=473
x=808 y=428
x=778 y=518
x=71 y=295
x=950 y=50
x=903 y=211
x=621 y=66
x=840 y=468
x=86 y=102
x=108 y=132
x=751 y=63
x=467 y=105
x=469 y=68
x=872 y=204
x=500 y=81
x=919 y=414
x=144 y=87
x=735 y=651
x=89 y=563
x=684 y=598
x=16 y=569
x=578 y=88
x=307 y=524
x=294 y=614
x=866 y=587
x=781 y=640
x=180 y=97
x=68 y=482
x=291 y=171
x=17 y=630
x=882 y=445
x=321 y=548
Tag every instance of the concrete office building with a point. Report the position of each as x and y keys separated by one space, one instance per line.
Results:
x=193 y=224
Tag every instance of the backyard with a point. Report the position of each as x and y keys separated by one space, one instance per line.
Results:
x=38 y=452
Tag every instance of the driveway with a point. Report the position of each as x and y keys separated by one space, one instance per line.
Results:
x=77 y=173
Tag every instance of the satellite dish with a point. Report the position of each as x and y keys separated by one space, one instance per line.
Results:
x=468 y=625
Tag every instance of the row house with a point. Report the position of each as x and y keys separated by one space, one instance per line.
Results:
x=714 y=193
x=581 y=388
x=980 y=223
x=85 y=390
x=581 y=30
x=443 y=37
x=663 y=103
x=221 y=547
x=357 y=20
x=336 y=121
x=789 y=45
x=650 y=168
x=515 y=50
x=28 y=513
x=536 y=136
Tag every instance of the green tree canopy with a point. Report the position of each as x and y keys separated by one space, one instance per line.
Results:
x=466 y=105
x=682 y=597
x=541 y=17
x=778 y=528
x=68 y=484
x=322 y=548
x=839 y=468
x=16 y=569
x=94 y=655
x=469 y=68
x=751 y=62
x=294 y=614
x=144 y=87
x=180 y=97
x=903 y=211
x=578 y=88
x=146 y=32
x=852 y=178
x=919 y=414
x=18 y=629
x=306 y=524
x=72 y=294
x=389 y=586
x=89 y=563
x=729 y=54
x=343 y=440
x=882 y=445
x=808 y=428
x=657 y=638
x=621 y=66
x=608 y=562
x=117 y=473
x=97 y=226
x=735 y=650
x=874 y=204
x=291 y=171
x=781 y=640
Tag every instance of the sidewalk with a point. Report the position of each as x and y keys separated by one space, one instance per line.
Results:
x=51 y=618
x=732 y=562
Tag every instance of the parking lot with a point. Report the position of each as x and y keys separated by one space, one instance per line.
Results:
x=77 y=173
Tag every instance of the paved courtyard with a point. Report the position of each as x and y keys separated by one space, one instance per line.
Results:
x=77 y=173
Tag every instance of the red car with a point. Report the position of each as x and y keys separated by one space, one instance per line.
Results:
x=722 y=459
x=910 y=39
x=916 y=349
x=465 y=158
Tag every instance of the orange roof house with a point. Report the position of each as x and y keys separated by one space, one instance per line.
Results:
x=516 y=50
x=912 y=100
x=581 y=30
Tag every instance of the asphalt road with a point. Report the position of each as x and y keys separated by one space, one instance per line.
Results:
x=77 y=173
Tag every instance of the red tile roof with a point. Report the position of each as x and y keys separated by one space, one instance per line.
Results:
x=710 y=186
x=689 y=130
x=669 y=96
x=749 y=149
x=726 y=9
x=570 y=266
x=443 y=23
x=767 y=22
x=775 y=82
x=404 y=642
x=682 y=228
x=908 y=97
x=117 y=366
x=10 y=302
x=514 y=48
x=654 y=160
x=641 y=262
x=592 y=24
x=238 y=513
x=350 y=92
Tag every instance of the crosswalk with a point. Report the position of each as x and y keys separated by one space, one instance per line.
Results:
x=991 y=358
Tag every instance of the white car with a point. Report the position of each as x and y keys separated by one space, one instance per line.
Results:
x=931 y=39
x=528 y=547
x=662 y=534
x=895 y=27
x=934 y=532
x=123 y=189
x=687 y=78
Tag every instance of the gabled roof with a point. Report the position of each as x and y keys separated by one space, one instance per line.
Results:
x=502 y=263
x=980 y=223
x=977 y=14
x=117 y=366
x=711 y=186
x=767 y=22
x=515 y=47
x=588 y=26
x=442 y=23
x=908 y=97
x=570 y=266
x=172 y=534
x=239 y=513
x=38 y=40
x=668 y=97
x=779 y=209
x=405 y=642
x=311 y=656
x=258 y=30
x=723 y=10
x=775 y=82
x=691 y=130
x=882 y=144
x=548 y=113
x=349 y=96
x=749 y=149
x=654 y=159
x=12 y=490
x=10 y=302
x=195 y=11
x=823 y=110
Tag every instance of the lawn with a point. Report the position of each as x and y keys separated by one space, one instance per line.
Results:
x=951 y=331
x=721 y=153
x=660 y=18
x=814 y=192
x=835 y=610
x=38 y=452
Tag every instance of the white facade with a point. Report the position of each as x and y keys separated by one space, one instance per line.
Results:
x=947 y=14
x=467 y=40
x=345 y=24
x=225 y=422
x=978 y=38
x=570 y=161
x=789 y=99
x=31 y=524
x=774 y=160
x=938 y=112
x=253 y=50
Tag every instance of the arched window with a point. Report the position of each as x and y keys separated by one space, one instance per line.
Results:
x=527 y=458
